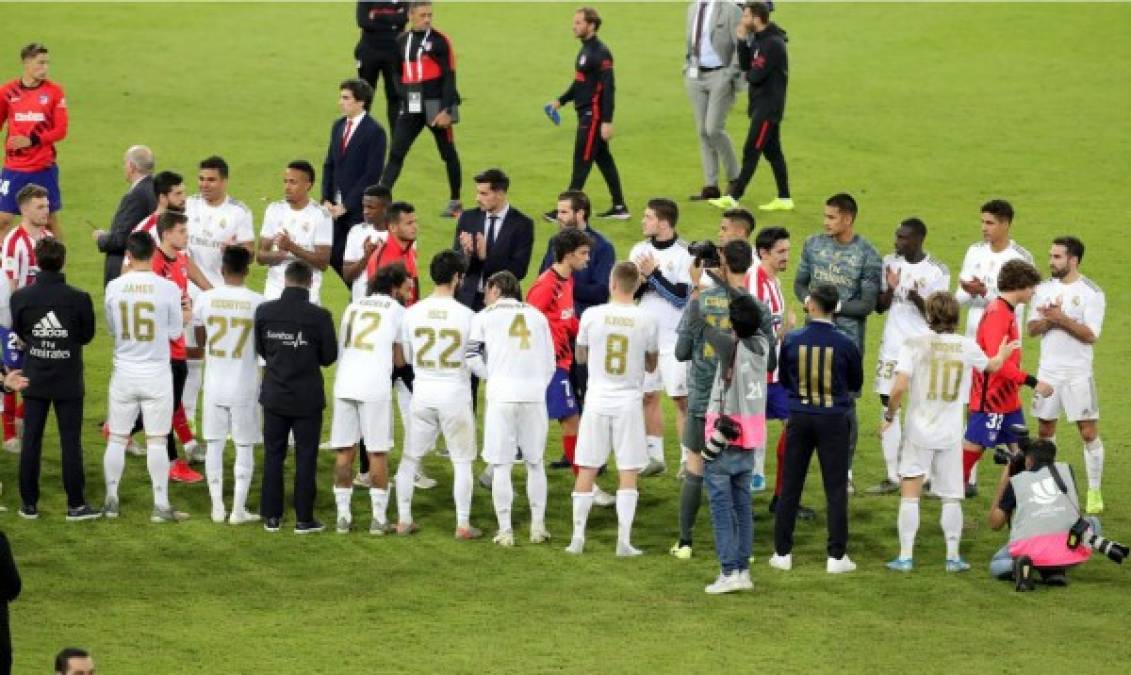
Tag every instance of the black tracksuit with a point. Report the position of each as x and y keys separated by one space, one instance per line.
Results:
x=376 y=51
x=54 y=320
x=296 y=340
x=765 y=61
x=10 y=586
x=593 y=92
x=428 y=70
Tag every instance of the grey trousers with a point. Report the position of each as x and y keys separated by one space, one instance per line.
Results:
x=712 y=96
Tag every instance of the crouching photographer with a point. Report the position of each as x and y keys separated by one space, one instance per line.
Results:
x=1037 y=498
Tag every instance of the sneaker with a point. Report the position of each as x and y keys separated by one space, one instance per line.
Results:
x=957 y=565
x=194 y=453
x=971 y=490
x=782 y=562
x=379 y=529
x=777 y=204
x=576 y=546
x=181 y=472
x=745 y=583
x=12 y=445
x=242 y=517
x=725 y=202
x=84 y=512
x=485 y=479
x=725 y=583
x=422 y=482
x=627 y=550
x=29 y=512
x=361 y=480
x=468 y=533
x=218 y=515
x=453 y=209
x=1023 y=574
x=757 y=482
x=562 y=463
x=653 y=468
x=539 y=534
x=902 y=565
x=708 y=192
x=550 y=216
x=344 y=526
x=1057 y=579
x=405 y=529
x=680 y=551
x=602 y=498
x=1095 y=501
x=271 y=525
x=617 y=212
x=309 y=527
x=504 y=539
x=840 y=565
x=110 y=508
x=169 y=515
x=884 y=487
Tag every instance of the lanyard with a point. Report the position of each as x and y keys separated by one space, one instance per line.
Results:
x=419 y=52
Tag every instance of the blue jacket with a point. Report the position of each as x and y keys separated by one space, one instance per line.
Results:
x=820 y=366
x=590 y=285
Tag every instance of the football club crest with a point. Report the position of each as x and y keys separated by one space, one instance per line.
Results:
x=43 y=99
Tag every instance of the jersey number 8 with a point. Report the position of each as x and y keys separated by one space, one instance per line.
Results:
x=616 y=354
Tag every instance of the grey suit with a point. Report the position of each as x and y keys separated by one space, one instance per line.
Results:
x=136 y=204
x=712 y=92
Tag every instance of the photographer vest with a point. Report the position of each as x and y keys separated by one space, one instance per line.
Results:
x=1044 y=514
x=744 y=399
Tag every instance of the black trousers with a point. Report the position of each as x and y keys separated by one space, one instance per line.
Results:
x=372 y=65
x=342 y=225
x=828 y=435
x=407 y=128
x=68 y=419
x=589 y=147
x=276 y=430
x=764 y=137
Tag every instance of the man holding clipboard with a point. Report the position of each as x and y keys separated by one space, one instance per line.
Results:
x=428 y=99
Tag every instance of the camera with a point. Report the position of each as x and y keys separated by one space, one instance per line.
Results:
x=1014 y=460
x=1082 y=533
x=724 y=432
x=706 y=254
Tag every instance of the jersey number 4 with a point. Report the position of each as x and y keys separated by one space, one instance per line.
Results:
x=519 y=330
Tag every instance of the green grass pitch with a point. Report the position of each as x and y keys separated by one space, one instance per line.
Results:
x=916 y=109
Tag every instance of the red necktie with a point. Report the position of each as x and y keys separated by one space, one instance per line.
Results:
x=346 y=134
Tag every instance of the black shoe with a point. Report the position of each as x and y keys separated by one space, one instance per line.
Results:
x=550 y=216
x=971 y=490
x=618 y=212
x=271 y=524
x=1055 y=579
x=29 y=512
x=708 y=192
x=1023 y=574
x=562 y=463
x=83 y=512
x=309 y=527
x=806 y=513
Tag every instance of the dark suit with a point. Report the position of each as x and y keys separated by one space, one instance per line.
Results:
x=510 y=251
x=136 y=204
x=348 y=173
x=10 y=586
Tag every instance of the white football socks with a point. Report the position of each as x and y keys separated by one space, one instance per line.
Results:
x=626 y=512
x=462 y=484
x=655 y=448
x=502 y=494
x=245 y=465
x=157 y=461
x=536 y=491
x=342 y=496
x=214 y=472
x=406 y=473
x=951 y=521
x=1094 y=462
x=379 y=501
x=113 y=464
x=889 y=442
x=908 y=525
x=582 y=503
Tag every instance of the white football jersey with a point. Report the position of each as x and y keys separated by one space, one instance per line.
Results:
x=355 y=249
x=434 y=337
x=518 y=350
x=308 y=227
x=981 y=262
x=143 y=311
x=227 y=314
x=937 y=365
x=904 y=321
x=369 y=329
x=617 y=337
x=674 y=262
x=211 y=228
x=1063 y=356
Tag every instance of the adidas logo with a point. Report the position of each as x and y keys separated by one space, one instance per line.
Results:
x=49 y=327
x=1045 y=492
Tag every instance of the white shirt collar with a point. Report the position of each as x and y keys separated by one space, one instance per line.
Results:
x=501 y=214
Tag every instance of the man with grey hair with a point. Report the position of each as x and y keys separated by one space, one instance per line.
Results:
x=711 y=77
x=138 y=202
